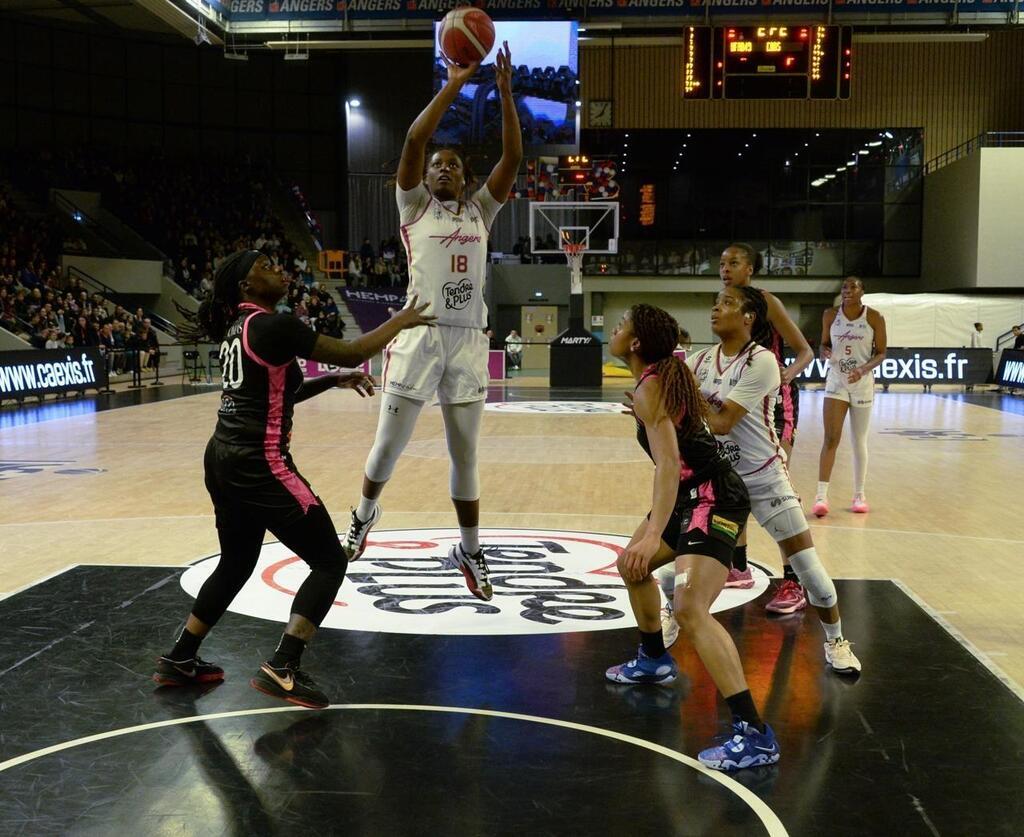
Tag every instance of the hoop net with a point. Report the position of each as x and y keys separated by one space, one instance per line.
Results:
x=574 y=256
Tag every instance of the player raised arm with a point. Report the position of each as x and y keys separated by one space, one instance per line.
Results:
x=504 y=174
x=410 y=167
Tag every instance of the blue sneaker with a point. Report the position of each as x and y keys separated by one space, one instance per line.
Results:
x=644 y=669
x=745 y=748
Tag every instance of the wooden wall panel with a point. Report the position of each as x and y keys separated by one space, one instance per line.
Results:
x=954 y=91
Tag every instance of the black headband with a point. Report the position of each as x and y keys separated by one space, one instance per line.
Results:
x=236 y=267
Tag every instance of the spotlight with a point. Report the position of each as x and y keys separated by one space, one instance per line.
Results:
x=354 y=103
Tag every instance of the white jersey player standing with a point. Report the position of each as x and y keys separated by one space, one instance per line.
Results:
x=444 y=229
x=740 y=380
x=853 y=339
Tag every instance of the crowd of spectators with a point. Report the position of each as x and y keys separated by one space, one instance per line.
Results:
x=385 y=268
x=316 y=307
x=38 y=306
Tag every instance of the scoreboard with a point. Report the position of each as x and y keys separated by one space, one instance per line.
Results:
x=805 y=61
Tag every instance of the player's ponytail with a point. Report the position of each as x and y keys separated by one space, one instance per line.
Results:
x=659 y=334
x=220 y=306
x=755 y=302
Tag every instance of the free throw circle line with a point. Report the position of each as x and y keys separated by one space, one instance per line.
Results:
x=773 y=825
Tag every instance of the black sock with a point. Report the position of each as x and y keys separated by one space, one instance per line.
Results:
x=742 y=706
x=739 y=558
x=186 y=646
x=789 y=574
x=289 y=652
x=652 y=643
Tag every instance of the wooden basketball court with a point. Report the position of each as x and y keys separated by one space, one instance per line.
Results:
x=513 y=730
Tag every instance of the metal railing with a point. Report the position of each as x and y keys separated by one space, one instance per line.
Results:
x=119 y=298
x=990 y=139
x=1006 y=337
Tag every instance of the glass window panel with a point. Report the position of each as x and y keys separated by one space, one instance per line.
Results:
x=903 y=221
x=865 y=183
x=864 y=221
x=826 y=258
x=825 y=222
x=901 y=258
x=789 y=258
x=862 y=258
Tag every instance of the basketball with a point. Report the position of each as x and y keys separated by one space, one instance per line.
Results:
x=466 y=35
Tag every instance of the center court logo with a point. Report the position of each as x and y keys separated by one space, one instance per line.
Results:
x=545 y=581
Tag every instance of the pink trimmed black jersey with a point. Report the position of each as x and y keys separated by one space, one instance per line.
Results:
x=712 y=504
x=787 y=408
x=248 y=454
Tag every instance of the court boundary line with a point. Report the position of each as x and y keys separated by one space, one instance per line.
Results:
x=956 y=634
x=769 y=819
x=69 y=567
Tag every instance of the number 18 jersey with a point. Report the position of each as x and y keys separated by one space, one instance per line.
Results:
x=446 y=244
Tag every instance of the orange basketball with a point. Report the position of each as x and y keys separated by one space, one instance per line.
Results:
x=466 y=35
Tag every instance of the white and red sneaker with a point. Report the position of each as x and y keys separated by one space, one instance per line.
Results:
x=740 y=580
x=788 y=598
x=860 y=505
x=474 y=570
x=820 y=506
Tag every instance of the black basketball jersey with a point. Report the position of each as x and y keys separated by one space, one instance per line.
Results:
x=701 y=457
x=260 y=378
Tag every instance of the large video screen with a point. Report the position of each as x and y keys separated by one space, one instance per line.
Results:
x=545 y=58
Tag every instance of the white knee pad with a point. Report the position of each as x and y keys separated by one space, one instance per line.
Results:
x=462 y=430
x=821 y=592
x=786 y=524
x=394 y=428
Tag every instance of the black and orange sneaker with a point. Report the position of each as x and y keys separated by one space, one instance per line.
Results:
x=289 y=684
x=186 y=672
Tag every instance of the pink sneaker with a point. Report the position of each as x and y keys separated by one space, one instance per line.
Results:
x=789 y=598
x=860 y=505
x=740 y=580
x=820 y=507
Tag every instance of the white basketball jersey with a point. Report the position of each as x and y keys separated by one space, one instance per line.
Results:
x=446 y=243
x=751 y=380
x=853 y=341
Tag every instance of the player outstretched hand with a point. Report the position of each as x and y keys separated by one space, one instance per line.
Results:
x=457 y=74
x=412 y=315
x=363 y=384
x=503 y=70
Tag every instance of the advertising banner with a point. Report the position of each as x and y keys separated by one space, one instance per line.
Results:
x=1011 y=369
x=525 y=10
x=370 y=308
x=918 y=366
x=40 y=372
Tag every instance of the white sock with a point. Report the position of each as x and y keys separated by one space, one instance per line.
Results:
x=833 y=631
x=470 y=539
x=822 y=491
x=366 y=507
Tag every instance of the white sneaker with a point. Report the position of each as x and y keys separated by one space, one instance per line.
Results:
x=669 y=626
x=474 y=570
x=839 y=655
x=354 y=542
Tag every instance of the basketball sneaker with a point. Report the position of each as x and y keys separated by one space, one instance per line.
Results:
x=354 y=542
x=669 y=626
x=740 y=580
x=186 y=672
x=820 y=506
x=643 y=669
x=289 y=684
x=839 y=655
x=474 y=570
x=746 y=747
x=859 y=505
x=788 y=598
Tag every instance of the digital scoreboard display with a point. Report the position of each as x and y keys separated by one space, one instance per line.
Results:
x=767 y=62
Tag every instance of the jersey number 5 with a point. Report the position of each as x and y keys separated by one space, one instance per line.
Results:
x=231 y=363
x=460 y=264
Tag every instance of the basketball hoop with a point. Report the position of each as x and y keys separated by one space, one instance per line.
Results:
x=574 y=256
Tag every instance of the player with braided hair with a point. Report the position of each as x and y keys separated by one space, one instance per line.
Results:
x=739 y=263
x=740 y=379
x=697 y=512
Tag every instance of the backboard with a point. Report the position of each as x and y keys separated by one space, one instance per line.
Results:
x=594 y=224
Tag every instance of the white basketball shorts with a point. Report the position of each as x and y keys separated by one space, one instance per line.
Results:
x=860 y=394
x=771 y=493
x=448 y=361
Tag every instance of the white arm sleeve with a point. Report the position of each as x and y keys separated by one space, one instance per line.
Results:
x=411 y=203
x=760 y=378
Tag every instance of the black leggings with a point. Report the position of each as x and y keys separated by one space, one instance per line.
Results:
x=312 y=537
